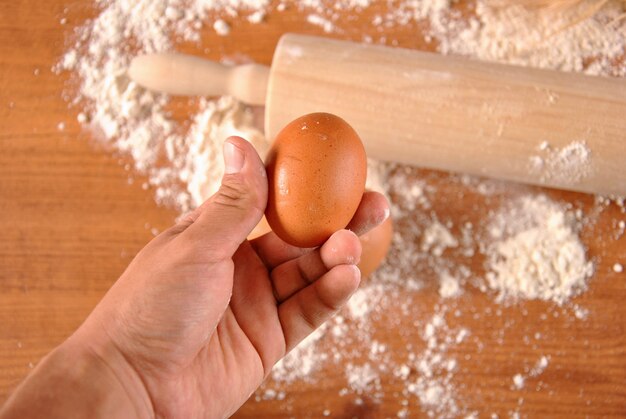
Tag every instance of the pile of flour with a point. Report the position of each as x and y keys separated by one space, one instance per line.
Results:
x=534 y=252
x=183 y=166
x=567 y=165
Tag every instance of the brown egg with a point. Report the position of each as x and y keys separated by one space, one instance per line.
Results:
x=375 y=245
x=316 y=172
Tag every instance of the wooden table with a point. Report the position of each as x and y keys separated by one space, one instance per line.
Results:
x=70 y=223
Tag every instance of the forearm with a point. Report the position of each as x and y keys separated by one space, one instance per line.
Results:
x=74 y=381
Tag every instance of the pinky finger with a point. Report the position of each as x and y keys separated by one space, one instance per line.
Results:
x=310 y=307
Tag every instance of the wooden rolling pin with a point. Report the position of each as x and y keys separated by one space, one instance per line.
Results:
x=541 y=127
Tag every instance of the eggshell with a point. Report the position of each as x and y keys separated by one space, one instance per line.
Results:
x=316 y=172
x=374 y=247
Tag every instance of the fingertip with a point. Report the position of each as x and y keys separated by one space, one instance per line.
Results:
x=238 y=142
x=226 y=218
x=234 y=158
x=372 y=211
x=246 y=147
x=386 y=213
x=380 y=208
x=343 y=247
x=343 y=236
x=243 y=163
x=236 y=139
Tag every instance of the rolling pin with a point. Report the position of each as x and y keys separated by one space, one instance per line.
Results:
x=541 y=127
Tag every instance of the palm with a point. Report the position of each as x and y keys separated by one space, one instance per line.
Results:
x=218 y=348
x=247 y=341
x=275 y=304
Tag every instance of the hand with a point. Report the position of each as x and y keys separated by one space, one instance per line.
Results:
x=201 y=315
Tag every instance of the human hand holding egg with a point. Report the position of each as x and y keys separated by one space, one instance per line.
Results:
x=201 y=315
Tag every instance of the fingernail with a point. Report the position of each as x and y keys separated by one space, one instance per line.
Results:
x=386 y=214
x=233 y=158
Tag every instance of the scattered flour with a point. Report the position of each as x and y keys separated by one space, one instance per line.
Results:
x=580 y=312
x=221 y=27
x=519 y=380
x=534 y=252
x=362 y=377
x=302 y=361
x=568 y=165
x=500 y=31
x=322 y=22
x=199 y=161
x=438 y=238
x=555 y=39
x=364 y=300
x=434 y=386
x=449 y=286
x=136 y=122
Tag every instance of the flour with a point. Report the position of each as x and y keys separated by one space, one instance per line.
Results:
x=303 y=360
x=434 y=386
x=555 y=39
x=221 y=27
x=519 y=380
x=257 y=17
x=363 y=301
x=322 y=22
x=199 y=160
x=438 y=238
x=535 y=252
x=136 y=122
x=449 y=285
x=567 y=165
x=362 y=377
x=507 y=32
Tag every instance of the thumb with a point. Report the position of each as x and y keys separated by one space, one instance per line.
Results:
x=226 y=218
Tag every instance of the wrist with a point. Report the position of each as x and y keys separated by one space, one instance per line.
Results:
x=121 y=389
x=82 y=380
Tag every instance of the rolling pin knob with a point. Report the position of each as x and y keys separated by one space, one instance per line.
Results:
x=187 y=75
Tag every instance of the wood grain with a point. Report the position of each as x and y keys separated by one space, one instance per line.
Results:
x=70 y=223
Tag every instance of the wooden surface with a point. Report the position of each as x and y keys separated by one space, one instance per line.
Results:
x=70 y=223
